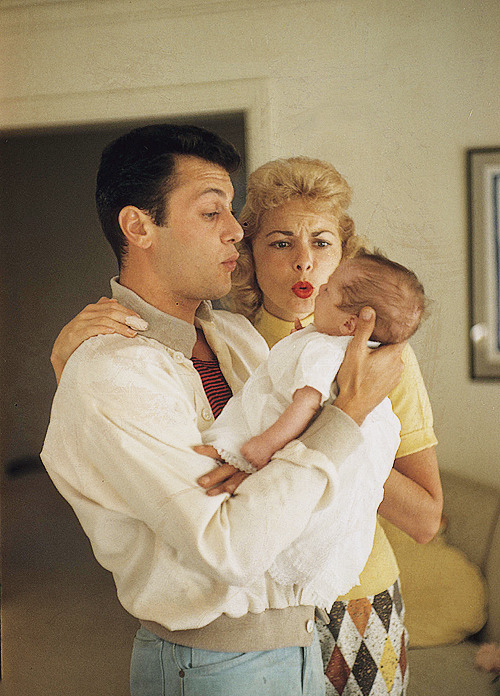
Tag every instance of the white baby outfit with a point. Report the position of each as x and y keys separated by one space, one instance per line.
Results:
x=308 y=357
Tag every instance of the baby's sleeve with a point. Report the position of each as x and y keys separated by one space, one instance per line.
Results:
x=317 y=365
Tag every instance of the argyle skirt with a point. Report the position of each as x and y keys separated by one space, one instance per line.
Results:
x=364 y=646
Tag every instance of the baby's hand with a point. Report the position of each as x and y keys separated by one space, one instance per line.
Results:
x=257 y=452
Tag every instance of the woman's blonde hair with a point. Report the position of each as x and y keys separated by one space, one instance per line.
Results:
x=272 y=184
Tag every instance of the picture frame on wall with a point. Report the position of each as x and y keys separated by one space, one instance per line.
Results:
x=483 y=172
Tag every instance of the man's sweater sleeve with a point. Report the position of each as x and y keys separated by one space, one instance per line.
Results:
x=333 y=433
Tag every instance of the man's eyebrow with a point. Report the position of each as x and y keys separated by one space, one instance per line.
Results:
x=214 y=189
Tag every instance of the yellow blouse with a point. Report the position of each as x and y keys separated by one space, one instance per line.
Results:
x=410 y=403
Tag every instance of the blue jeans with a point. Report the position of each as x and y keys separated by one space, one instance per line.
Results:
x=160 y=668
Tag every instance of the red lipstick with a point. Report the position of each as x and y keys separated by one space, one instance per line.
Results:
x=303 y=289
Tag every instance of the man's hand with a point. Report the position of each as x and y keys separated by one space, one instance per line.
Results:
x=367 y=375
x=224 y=478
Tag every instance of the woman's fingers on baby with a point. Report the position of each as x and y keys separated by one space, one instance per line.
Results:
x=364 y=326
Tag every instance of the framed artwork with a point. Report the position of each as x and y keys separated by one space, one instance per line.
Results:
x=483 y=166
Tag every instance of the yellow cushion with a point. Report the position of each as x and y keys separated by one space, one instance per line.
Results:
x=444 y=593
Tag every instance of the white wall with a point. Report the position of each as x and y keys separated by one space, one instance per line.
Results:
x=391 y=91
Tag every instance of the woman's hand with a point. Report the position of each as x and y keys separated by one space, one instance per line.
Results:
x=105 y=317
x=224 y=478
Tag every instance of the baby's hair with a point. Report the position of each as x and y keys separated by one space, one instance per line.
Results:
x=394 y=292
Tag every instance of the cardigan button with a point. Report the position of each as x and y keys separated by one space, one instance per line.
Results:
x=310 y=626
x=178 y=357
x=206 y=414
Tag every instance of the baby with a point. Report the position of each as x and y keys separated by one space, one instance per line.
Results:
x=279 y=400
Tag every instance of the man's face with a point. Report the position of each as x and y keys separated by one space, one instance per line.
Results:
x=194 y=252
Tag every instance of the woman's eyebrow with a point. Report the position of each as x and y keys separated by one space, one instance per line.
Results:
x=316 y=233
x=289 y=234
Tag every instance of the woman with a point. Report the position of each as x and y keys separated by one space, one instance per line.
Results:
x=296 y=232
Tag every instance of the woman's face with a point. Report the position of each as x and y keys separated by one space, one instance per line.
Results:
x=295 y=250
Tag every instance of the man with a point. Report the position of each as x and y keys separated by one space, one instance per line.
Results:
x=128 y=412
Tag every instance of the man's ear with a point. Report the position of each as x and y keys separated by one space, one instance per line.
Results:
x=136 y=226
x=349 y=325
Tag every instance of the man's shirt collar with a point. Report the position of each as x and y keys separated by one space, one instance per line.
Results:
x=172 y=332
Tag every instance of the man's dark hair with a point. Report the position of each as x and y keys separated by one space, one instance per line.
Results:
x=139 y=169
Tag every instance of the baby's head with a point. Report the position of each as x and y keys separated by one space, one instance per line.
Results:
x=394 y=292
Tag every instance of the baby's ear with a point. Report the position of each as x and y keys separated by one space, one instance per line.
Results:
x=349 y=325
